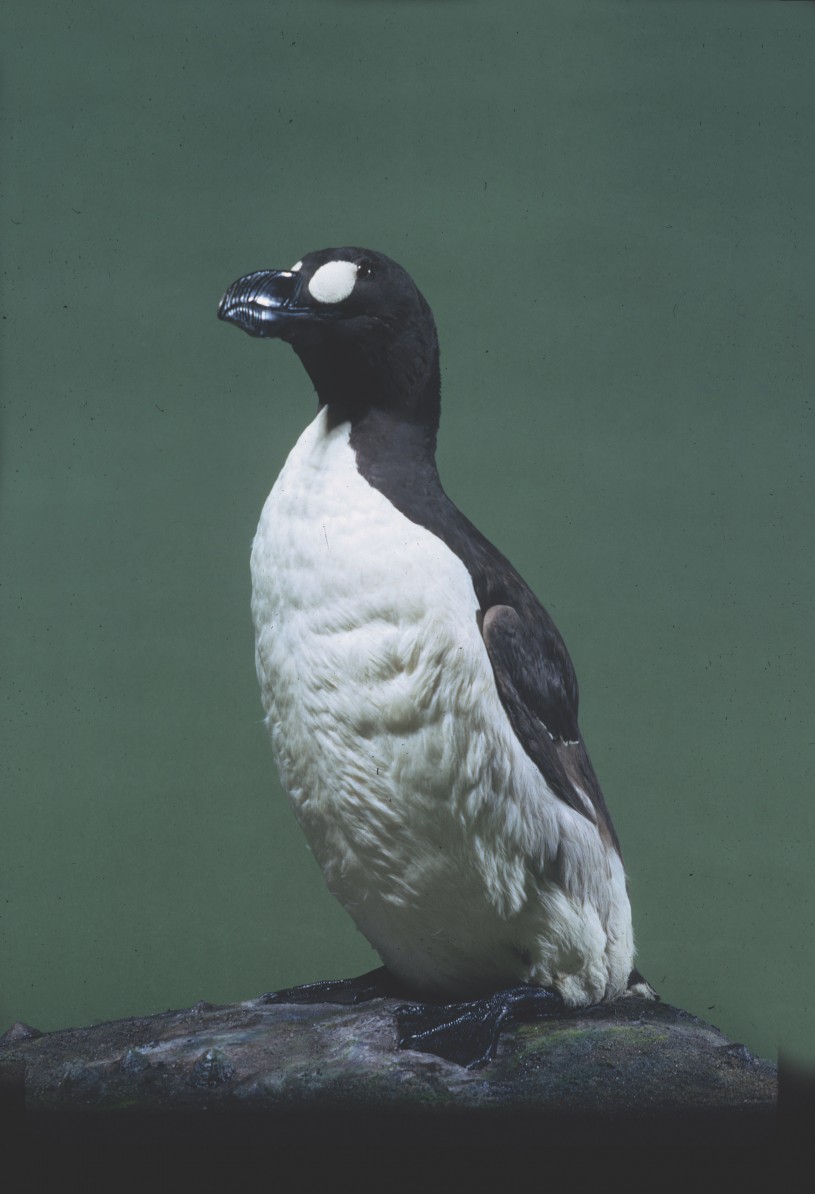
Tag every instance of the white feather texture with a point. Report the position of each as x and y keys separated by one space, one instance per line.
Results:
x=431 y=824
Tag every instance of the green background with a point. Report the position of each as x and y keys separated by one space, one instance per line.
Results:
x=609 y=206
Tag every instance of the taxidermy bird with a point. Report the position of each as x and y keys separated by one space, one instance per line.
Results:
x=421 y=703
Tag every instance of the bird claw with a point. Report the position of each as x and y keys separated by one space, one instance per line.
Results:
x=468 y=1033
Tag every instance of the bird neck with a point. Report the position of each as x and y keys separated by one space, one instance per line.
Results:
x=395 y=455
x=381 y=384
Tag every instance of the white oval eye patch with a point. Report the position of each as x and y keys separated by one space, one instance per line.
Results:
x=334 y=281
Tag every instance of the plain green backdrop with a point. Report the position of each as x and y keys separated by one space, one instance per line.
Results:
x=611 y=209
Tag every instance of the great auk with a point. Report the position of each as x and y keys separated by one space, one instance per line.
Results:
x=421 y=702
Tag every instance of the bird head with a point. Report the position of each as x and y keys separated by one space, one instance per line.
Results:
x=358 y=323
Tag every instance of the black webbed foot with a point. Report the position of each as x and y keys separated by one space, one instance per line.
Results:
x=467 y=1033
x=376 y=984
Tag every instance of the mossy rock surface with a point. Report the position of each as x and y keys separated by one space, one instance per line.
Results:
x=633 y=1069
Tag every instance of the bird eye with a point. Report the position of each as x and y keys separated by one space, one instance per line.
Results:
x=365 y=269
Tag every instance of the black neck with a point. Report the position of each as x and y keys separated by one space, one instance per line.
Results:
x=391 y=380
x=395 y=455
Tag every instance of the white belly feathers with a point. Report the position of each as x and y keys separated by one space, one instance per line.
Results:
x=430 y=822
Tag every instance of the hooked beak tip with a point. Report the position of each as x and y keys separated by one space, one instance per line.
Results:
x=258 y=302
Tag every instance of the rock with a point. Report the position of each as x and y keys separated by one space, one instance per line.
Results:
x=19 y=1032
x=630 y=1072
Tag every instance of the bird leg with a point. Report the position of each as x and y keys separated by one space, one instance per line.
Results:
x=467 y=1033
x=376 y=984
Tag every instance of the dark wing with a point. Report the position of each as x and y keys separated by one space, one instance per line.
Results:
x=538 y=689
x=533 y=671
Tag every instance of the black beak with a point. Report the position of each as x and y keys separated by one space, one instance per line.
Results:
x=262 y=303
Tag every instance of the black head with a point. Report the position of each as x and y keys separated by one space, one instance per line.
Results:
x=358 y=323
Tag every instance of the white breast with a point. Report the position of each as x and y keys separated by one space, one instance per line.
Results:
x=430 y=822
